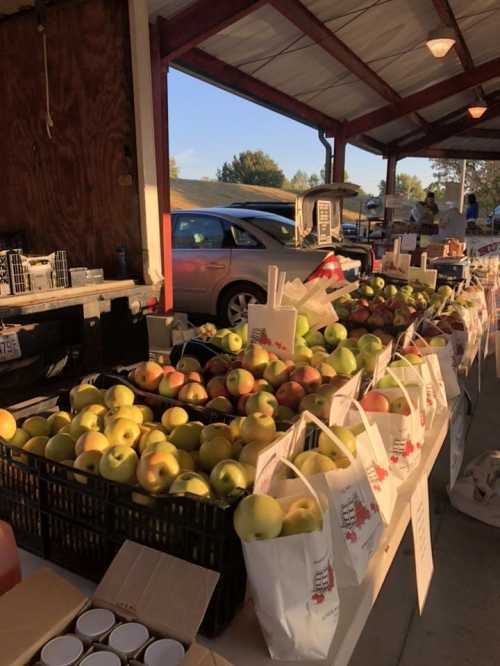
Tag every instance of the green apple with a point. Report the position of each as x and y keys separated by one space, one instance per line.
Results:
x=228 y=477
x=187 y=436
x=211 y=452
x=190 y=483
x=314 y=338
x=258 y=517
x=386 y=382
x=343 y=361
x=390 y=291
x=58 y=420
x=221 y=404
x=173 y=417
x=89 y=462
x=90 y=441
x=118 y=396
x=377 y=283
x=371 y=342
x=445 y=291
x=122 y=432
x=300 y=521
x=317 y=463
x=319 y=358
x=350 y=343
x=262 y=402
x=328 y=447
x=60 y=447
x=157 y=470
x=438 y=341
x=164 y=447
x=232 y=343
x=249 y=472
x=83 y=422
x=276 y=373
x=242 y=331
x=20 y=438
x=250 y=453
x=36 y=426
x=309 y=503
x=302 y=325
x=235 y=427
x=217 y=430
x=258 y=427
x=302 y=354
x=84 y=394
x=119 y=463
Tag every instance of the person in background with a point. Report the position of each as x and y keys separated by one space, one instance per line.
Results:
x=472 y=211
x=452 y=223
x=430 y=206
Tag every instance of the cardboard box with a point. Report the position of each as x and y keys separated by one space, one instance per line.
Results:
x=168 y=595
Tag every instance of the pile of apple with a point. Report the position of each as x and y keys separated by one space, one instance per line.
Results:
x=108 y=435
x=378 y=306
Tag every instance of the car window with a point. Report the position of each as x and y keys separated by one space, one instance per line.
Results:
x=279 y=228
x=243 y=239
x=198 y=232
x=497 y=210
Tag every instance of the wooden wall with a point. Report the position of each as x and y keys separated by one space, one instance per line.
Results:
x=77 y=191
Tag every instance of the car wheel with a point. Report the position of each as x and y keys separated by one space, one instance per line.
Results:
x=234 y=302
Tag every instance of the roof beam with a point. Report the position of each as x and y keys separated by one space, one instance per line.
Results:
x=198 y=22
x=424 y=98
x=443 y=132
x=483 y=133
x=231 y=78
x=453 y=154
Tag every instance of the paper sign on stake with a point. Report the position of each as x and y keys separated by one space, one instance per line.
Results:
x=396 y=264
x=423 y=275
x=381 y=363
x=457 y=442
x=408 y=242
x=421 y=527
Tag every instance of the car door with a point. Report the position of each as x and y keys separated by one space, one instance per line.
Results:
x=201 y=260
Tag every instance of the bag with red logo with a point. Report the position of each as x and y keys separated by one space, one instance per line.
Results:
x=420 y=376
x=293 y=586
x=371 y=451
x=355 y=521
x=402 y=432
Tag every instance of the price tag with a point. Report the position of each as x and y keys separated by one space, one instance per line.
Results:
x=421 y=527
x=408 y=336
x=457 y=442
x=9 y=347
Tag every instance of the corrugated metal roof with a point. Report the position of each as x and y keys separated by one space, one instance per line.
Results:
x=387 y=35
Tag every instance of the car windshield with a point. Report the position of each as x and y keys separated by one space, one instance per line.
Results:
x=279 y=228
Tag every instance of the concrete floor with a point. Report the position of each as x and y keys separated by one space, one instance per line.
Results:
x=460 y=625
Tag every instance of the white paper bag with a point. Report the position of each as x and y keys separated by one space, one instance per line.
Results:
x=371 y=451
x=446 y=356
x=421 y=376
x=355 y=520
x=438 y=385
x=292 y=581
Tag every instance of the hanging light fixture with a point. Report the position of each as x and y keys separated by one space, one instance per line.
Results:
x=478 y=108
x=440 y=41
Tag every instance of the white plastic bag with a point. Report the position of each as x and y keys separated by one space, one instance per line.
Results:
x=293 y=586
x=477 y=491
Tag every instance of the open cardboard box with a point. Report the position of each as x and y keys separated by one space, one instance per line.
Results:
x=168 y=595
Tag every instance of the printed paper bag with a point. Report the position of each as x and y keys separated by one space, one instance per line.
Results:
x=420 y=375
x=293 y=585
x=402 y=434
x=371 y=451
x=341 y=401
x=438 y=385
x=355 y=521
x=447 y=363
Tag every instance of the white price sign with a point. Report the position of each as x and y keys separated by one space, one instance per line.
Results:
x=421 y=527
x=324 y=215
x=9 y=347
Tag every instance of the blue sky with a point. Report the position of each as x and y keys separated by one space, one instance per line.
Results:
x=208 y=126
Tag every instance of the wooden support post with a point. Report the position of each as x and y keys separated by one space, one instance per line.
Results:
x=339 y=159
x=390 y=185
x=160 y=107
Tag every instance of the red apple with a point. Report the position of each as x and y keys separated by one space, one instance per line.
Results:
x=307 y=376
x=218 y=365
x=290 y=394
x=374 y=401
x=217 y=387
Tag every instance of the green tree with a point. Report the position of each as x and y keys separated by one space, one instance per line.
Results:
x=481 y=177
x=300 y=181
x=409 y=186
x=173 y=168
x=314 y=180
x=251 y=168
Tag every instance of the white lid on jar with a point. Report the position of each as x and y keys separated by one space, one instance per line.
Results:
x=164 y=652
x=128 y=637
x=101 y=659
x=62 y=651
x=95 y=622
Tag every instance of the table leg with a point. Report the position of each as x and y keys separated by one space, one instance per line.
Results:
x=92 y=349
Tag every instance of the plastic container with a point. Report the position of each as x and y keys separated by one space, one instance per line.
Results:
x=94 y=623
x=10 y=566
x=128 y=638
x=164 y=652
x=62 y=651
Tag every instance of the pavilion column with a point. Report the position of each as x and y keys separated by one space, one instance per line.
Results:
x=339 y=159
x=160 y=101
x=390 y=185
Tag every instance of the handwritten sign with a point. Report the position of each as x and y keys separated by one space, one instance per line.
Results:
x=421 y=527
x=382 y=362
x=9 y=347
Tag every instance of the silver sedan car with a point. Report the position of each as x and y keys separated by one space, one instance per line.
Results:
x=221 y=255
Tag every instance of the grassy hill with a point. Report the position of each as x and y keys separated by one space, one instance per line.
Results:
x=208 y=194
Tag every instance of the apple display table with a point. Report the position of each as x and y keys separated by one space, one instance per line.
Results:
x=243 y=644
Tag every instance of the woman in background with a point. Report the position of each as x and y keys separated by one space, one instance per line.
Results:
x=472 y=211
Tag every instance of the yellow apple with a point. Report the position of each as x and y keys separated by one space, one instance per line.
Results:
x=66 y=430
x=213 y=451
x=119 y=396
x=36 y=445
x=250 y=452
x=20 y=438
x=88 y=461
x=258 y=428
x=147 y=413
x=163 y=446
x=236 y=448
x=151 y=437
x=119 y=463
x=131 y=412
x=235 y=427
x=190 y=483
x=96 y=408
x=228 y=477
x=307 y=502
x=156 y=471
x=84 y=422
x=58 y=420
x=187 y=436
x=249 y=472
x=185 y=460
x=173 y=417
x=84 y=394
x=300 y=521
x=60 y=447
x=328 y=447
x=122 y=432
x=317 y=463
x=216 y=430
x=258 y=517
x=8 y=425
x=91 y=441
x=35 y=426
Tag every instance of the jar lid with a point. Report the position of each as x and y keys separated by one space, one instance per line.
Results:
x=62 y=651
x=101 y=659
x=95 y=622
x=128 y=637
x=164 y=652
